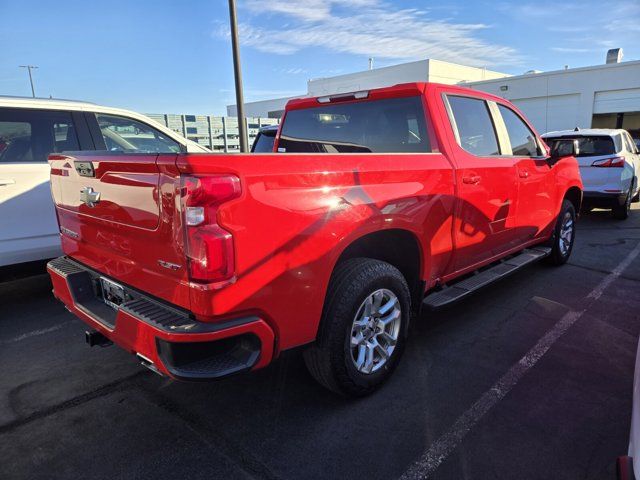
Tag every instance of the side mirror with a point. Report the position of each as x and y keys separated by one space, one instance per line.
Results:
x=563 y=147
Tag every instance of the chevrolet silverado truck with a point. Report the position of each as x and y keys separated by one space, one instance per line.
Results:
x=373 y=205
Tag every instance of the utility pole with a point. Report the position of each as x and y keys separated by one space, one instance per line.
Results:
x=237 y=70
x=30 y=67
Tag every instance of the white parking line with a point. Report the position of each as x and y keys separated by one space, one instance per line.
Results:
x=442 y=448
x=34 y=333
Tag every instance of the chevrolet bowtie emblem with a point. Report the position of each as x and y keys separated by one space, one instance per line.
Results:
x=89 y=197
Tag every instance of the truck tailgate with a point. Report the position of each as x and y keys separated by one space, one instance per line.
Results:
x=119 y=215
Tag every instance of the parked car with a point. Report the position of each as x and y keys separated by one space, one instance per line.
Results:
x=609 y=165
x=30 y=129
x=208 y=265
x=265 y=139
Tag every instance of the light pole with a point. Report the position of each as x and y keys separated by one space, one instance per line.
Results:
x=237 y=71
x=30 y=67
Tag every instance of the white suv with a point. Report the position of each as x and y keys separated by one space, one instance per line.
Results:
x=31 y=129
x=609 y=166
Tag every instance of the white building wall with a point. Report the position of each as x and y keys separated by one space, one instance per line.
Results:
x=420 y=71
x=565 y=99
x=368 y=79
x=261 y=108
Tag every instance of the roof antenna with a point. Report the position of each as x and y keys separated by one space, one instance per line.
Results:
x=370 y=63
x=577 y=129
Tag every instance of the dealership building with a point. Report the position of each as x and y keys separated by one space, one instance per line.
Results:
x=599 y=96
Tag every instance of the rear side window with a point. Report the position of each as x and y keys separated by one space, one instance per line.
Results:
x=522 y=139
x=395 y=125
x=476 y=133
x=122 y=134
x=593 y=146
x=29 y=136
x=264 y=142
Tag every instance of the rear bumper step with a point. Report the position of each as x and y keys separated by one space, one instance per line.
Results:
x=461 y=289
x=167 y=339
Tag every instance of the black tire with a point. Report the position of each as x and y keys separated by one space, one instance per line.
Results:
x=329 y=359
x=559 y=255
x=621 y=212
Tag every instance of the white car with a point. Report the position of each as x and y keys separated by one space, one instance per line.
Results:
x=31 y=129
x=609 y=166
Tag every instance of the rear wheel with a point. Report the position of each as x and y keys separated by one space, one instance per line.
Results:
x=564 y=235
x=622 y=212
x=363 y=329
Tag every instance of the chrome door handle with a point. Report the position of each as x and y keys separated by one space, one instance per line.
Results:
x=471 y=180
x=7 y=181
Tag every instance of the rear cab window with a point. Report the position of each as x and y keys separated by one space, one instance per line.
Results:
x=29 y=136
x=394 y=125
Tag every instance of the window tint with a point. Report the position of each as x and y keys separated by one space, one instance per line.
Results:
x=523 y=141
x=590 y=146
x=123 y=134
x=264 y=142
x=31 y=135
x=475 y=127
x=390 y=125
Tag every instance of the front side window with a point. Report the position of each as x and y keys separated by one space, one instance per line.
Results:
x=395 y=125
x=122 y=134
x=476 y=132
x=29 y=136
x=522 y=139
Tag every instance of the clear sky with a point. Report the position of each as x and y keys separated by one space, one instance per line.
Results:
x=169 y=56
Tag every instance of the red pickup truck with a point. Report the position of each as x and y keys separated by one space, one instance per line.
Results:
x=377 y=203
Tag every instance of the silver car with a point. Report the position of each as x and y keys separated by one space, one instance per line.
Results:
x=609 y=165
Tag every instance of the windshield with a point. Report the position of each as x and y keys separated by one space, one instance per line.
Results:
x=390 y=125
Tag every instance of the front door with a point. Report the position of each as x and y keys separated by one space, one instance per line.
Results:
x=28 y=226
x=536 y=212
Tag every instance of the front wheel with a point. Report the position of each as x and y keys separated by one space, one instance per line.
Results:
x=564 y=235
x=363 y=328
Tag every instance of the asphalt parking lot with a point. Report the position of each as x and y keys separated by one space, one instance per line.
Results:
x=462 y=404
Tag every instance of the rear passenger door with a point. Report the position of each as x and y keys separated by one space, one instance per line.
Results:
x=486 y=184
x=28 y=226
x=536 y=207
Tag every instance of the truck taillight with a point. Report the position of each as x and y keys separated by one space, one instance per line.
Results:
x=609 y=162
x=209 y=247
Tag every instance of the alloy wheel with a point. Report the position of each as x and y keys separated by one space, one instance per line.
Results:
x=566 y=234
x=375 y=330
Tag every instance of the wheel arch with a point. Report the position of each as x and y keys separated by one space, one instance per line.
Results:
x=398 y=247
x=574 y=195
